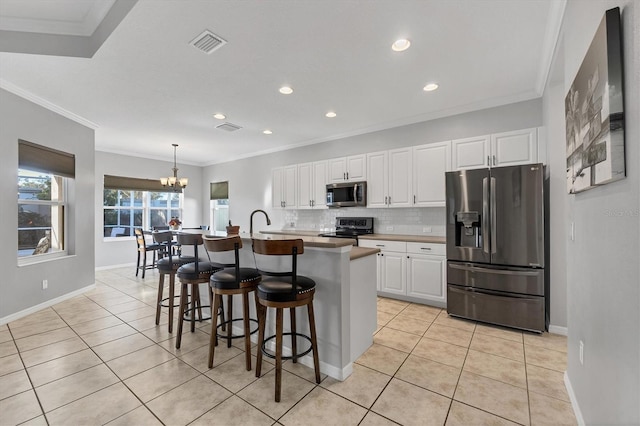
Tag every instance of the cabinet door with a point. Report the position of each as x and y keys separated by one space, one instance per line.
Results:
x=276 y=188
x=471 y=153
x=394 y=272
x=430 y=162
x=289 y=186
x=426 y=278
x=377 y=184
x=305 y=181
x=357 y=167
x=337 y=170
x=319 y=185
x=514 y=148
x=400 y=178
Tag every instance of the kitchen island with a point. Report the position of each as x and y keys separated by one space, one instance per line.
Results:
x=344 y=302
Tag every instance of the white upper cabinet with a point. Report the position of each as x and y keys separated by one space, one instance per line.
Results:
x=430 y=162
x=348 y=169
x=390 y=180
x=378 y=181
x=471 y=153
x=514 y=148
x=496 y=150
x=312 y=185
x=283 y=187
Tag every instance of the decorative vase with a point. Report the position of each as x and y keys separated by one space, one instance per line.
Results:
x=174 y=227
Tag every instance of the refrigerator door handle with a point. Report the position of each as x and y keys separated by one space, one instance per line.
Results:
x=519 y=272
x=492 y=195
x=485 y=213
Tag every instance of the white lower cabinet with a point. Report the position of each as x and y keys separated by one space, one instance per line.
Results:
x=411 y=271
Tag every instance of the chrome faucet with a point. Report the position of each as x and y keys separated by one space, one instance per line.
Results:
x=251 y=219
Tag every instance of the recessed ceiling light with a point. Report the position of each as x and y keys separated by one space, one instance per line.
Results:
x=330 y=114
x=400 y=45
x=267 y=132
x=286 y=90
x=219 y=116
x=430 y=87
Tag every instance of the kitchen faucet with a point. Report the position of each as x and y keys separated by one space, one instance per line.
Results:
x=251 y=219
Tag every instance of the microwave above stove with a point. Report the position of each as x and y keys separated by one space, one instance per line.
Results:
x=347 y=194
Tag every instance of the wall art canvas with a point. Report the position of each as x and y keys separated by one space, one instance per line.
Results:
x=594 y=112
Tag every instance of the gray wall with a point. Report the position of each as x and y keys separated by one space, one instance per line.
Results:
x=603 y=291
x=122 y=251
x=21 y=287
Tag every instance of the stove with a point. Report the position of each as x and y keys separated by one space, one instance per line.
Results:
x=351 y=227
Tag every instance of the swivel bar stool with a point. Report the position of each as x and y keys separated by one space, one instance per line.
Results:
x=168 y=265
x=192 y=275
x=231 y=280
x=281 y=290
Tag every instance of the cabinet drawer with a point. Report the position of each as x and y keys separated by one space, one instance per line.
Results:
x=434 y=249
x=384 y=245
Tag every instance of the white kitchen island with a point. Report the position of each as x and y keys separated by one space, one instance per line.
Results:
x=344 y=302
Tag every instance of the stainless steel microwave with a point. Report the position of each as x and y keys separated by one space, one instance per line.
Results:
x=347 y=194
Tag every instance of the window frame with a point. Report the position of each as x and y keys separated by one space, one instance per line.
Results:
x=62 y=204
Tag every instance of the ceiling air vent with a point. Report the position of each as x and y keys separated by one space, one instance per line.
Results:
x=229 y=127
x=208 y=42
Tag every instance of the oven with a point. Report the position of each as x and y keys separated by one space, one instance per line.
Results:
x=351 y=227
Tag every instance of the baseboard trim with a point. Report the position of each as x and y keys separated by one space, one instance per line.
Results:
x=574 y=401
x=123 y=265
x=36 y=308
x=556 y=329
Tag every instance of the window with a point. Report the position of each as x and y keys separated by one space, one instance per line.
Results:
x=130 y=203
x=43 y=178
x=219 y=206
x=125 y=210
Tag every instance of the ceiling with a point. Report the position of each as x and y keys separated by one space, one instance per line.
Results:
x=147 y=87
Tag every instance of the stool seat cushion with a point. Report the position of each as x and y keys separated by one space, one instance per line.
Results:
x=205 y=269
x=278 y=289
x=155 y=246
x=172 y=264
x=226 y=279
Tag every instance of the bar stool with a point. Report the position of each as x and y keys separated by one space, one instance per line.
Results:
x=231 y=280
x=282 y=290
x=168 y=265
x=192 y=275
x=143 y=248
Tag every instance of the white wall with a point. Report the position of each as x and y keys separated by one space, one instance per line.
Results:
x=21 y=287
x=603 y=269
x=122 y=251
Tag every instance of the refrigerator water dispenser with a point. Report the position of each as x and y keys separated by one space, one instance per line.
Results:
x=468 y=229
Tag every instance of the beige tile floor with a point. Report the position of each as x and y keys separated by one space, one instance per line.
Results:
x=99 y=358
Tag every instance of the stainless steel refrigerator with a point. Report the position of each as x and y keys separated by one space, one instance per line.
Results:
x=496 y=246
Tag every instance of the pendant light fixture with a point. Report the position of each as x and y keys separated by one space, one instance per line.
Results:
x=173 y=181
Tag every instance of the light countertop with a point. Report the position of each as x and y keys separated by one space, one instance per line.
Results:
x=388 y=237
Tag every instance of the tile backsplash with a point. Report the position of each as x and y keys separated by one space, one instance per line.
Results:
x=406 y=221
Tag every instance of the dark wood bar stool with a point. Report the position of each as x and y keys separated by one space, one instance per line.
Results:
x=282 y=290
x=231 y=280
x=168 y=265
x=192 y=275
x=143 y=248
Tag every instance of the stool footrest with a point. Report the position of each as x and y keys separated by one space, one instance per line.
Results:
x=235 y=336
x=165 y=304
x=188 y=318
x=298 y=355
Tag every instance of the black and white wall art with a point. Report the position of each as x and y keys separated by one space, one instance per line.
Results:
x=594 y=112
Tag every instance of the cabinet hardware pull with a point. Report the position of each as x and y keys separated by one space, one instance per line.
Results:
x=347 y=175
x=488 y=161
x=494 y=160
x=414 y=199
x=425 y=248
x=379 y=245
x=344 y=176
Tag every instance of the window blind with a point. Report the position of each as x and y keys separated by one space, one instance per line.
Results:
x=219 y=190
x=134 y=184
x=40 y=158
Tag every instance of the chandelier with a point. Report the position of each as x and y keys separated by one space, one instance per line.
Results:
x=173 y=181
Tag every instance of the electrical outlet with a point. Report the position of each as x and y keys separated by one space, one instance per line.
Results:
x=45 y=284
x=581 y=352
x=389 y=228
x=426 y=229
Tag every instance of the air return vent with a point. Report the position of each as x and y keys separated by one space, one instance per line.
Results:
x=229 y=127
x=208 y=42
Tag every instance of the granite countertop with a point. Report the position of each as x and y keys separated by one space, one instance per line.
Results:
x=309 y=240
x=388 y=237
